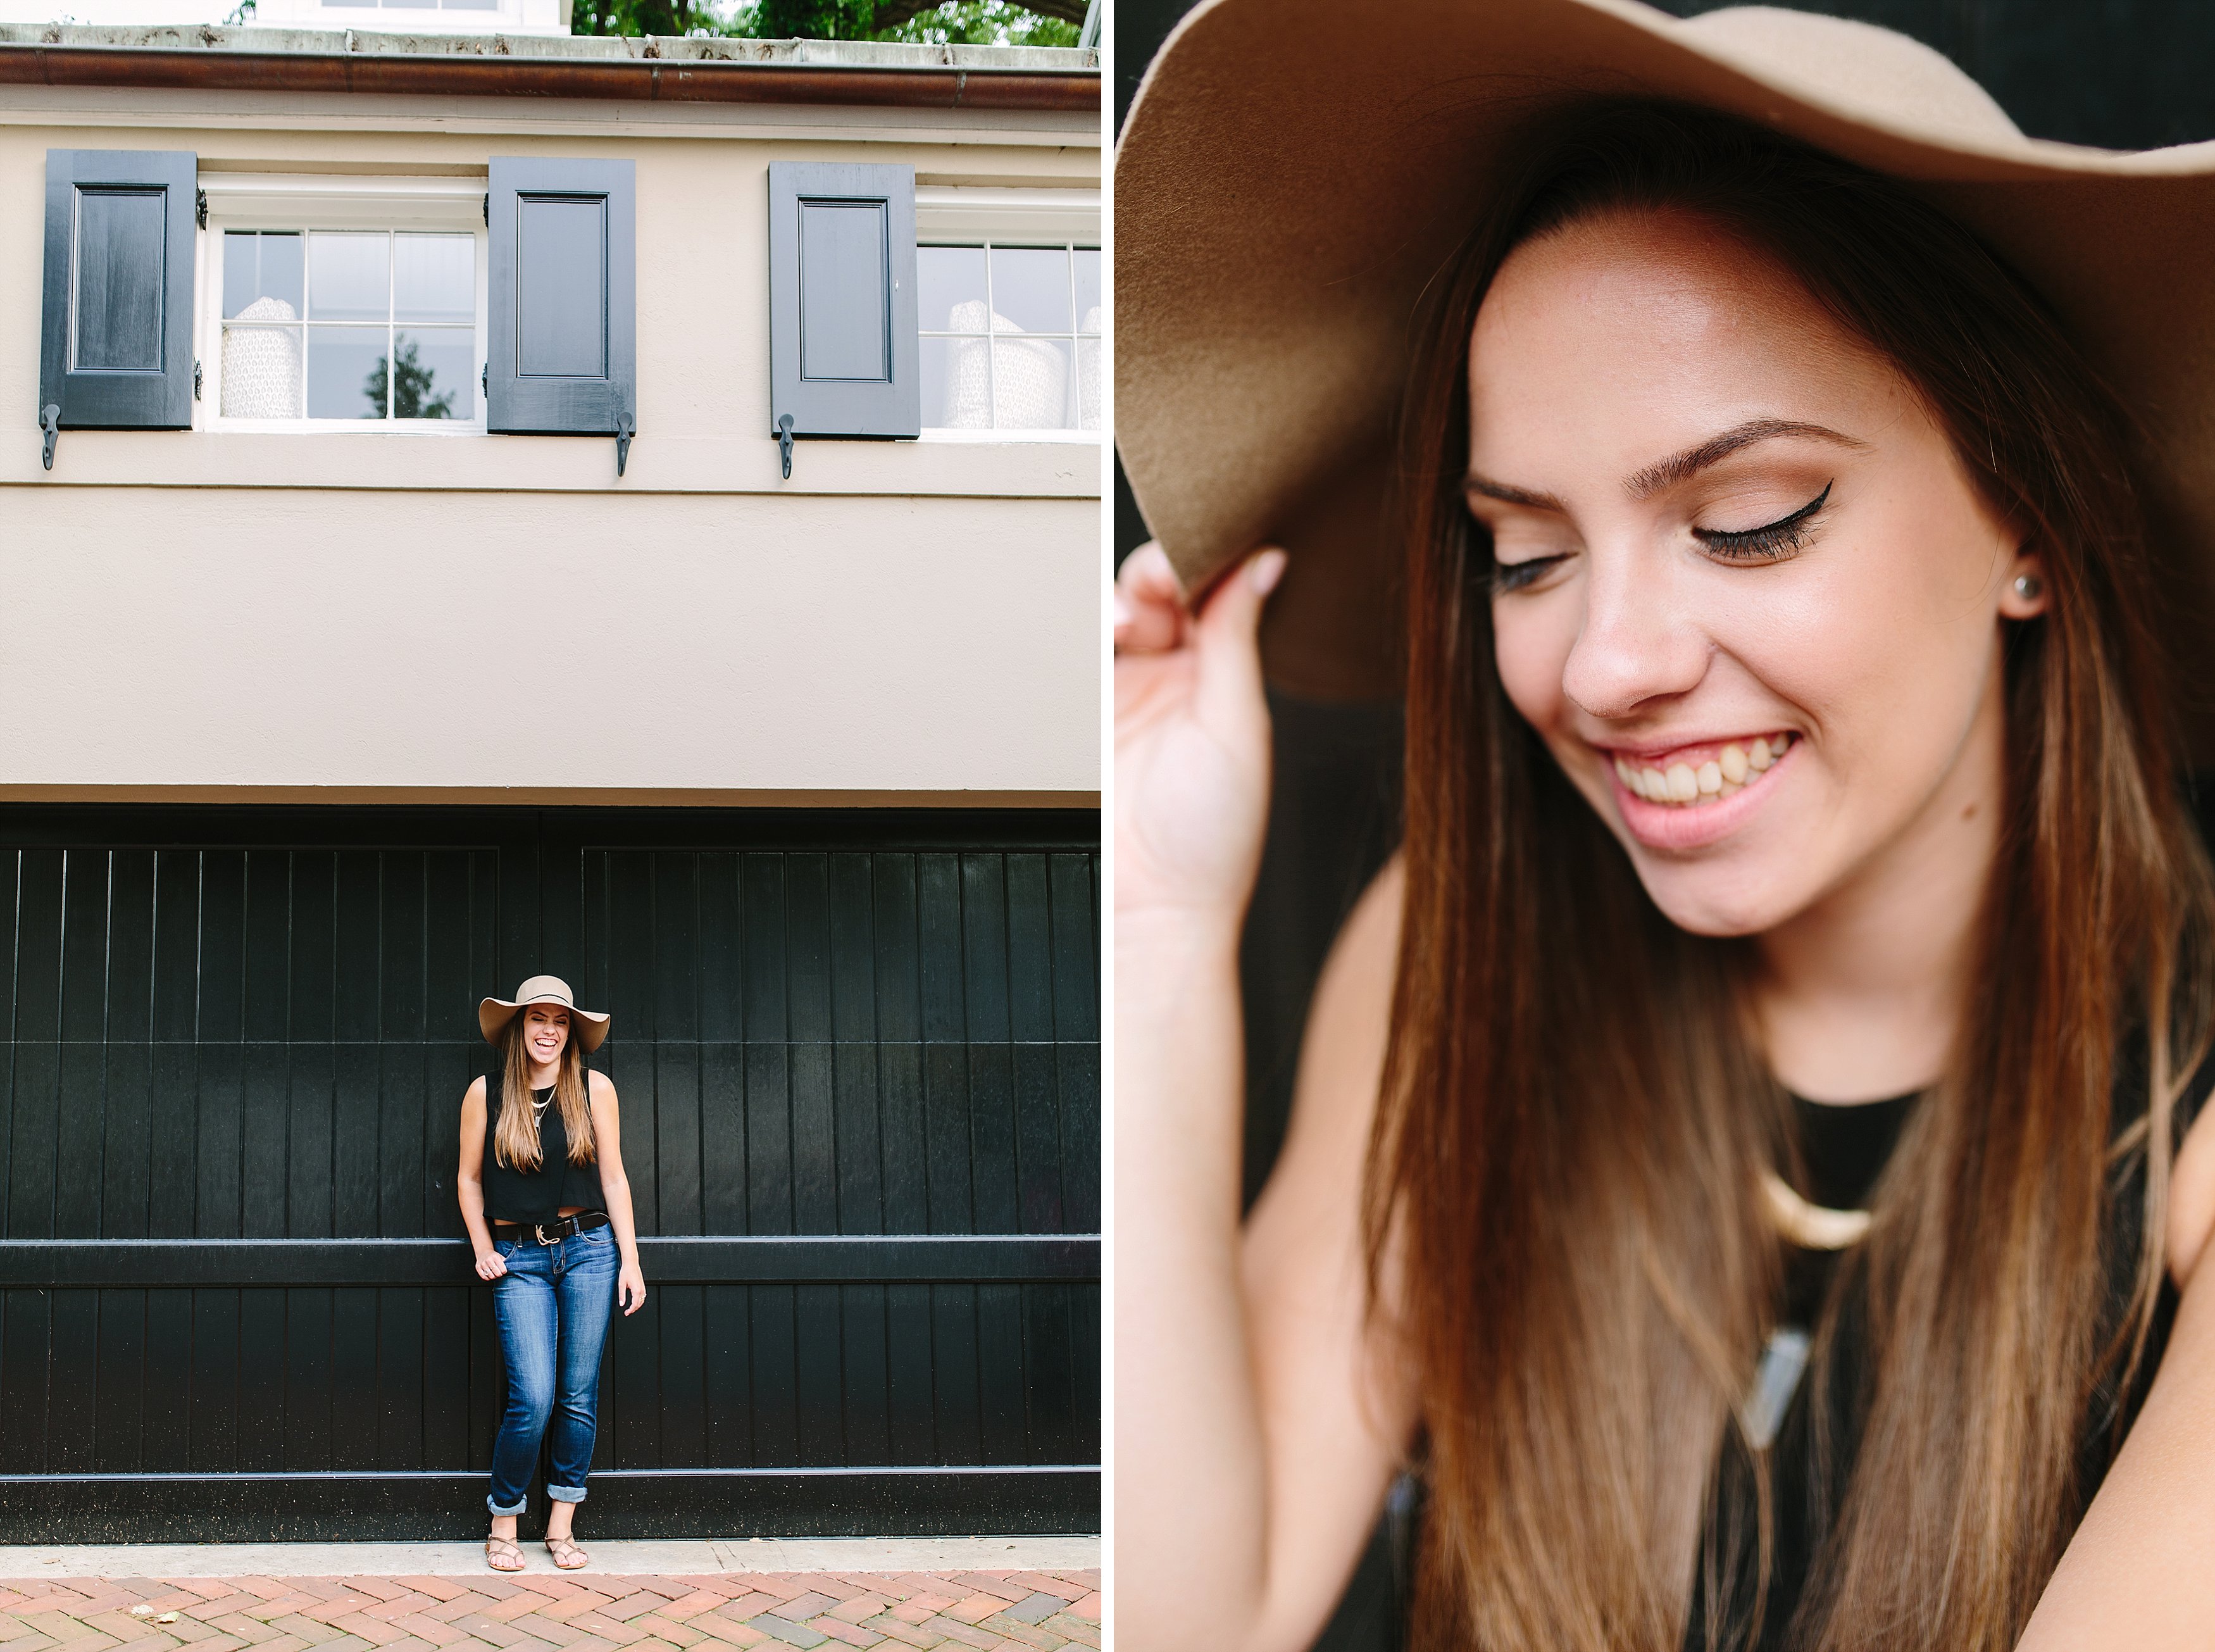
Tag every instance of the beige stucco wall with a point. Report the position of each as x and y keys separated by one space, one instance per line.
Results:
x=205 y=613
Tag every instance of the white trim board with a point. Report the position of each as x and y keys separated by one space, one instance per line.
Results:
x=1012 y=215
x=183 y=110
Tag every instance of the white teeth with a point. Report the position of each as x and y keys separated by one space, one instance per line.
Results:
x=1726 y=775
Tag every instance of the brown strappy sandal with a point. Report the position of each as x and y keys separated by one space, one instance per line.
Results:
x=503 y=1555
x=567 y=1555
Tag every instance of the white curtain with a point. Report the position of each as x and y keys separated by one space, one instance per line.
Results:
x=1025 y=388
x=261 y=365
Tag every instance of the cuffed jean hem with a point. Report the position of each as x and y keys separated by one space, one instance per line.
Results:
x=521 y=1503
x=566 y=1494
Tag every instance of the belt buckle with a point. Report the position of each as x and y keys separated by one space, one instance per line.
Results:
x=538 y=1232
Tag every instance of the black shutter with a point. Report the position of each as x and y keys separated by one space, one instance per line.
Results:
x=842 y=301
x=117 y=351
x=564 y=337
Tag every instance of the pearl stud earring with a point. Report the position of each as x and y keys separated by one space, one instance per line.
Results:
x=2028 y=586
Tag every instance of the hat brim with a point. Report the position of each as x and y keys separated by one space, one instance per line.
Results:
x=588 y=1027
x=1290 y=178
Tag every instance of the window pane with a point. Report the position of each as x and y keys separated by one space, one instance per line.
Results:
x=1030 y=289
x=1088 y=289
x=957 y=387
x=1030 y=383
x=262 y=273
x=434 y=373
x=260 y=373
x=1088 y=384
x=434 y=278
x=472 y=5
x=948 y=280
x=346 y=372
x=349 y=279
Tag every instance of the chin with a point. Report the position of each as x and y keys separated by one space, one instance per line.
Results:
x=1714 y=900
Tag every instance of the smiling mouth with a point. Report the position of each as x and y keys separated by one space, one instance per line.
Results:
x=1693 y=776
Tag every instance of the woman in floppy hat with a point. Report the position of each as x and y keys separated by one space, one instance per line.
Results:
x=542 y=1158
x=1748 y=1154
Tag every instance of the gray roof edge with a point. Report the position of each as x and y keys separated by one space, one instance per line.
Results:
x=584 y=48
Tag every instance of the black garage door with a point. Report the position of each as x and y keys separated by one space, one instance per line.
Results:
x=858 y=1054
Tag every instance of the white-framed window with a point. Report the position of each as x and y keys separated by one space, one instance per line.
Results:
x=418 y=16
x=1011 y=308
x=344 y=304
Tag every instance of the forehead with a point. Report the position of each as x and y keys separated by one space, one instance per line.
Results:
x=1654 y=312
x=546 y=1010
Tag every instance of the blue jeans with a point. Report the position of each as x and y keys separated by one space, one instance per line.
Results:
x=553 y=1306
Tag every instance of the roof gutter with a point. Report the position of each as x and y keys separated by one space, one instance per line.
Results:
x=634 y=80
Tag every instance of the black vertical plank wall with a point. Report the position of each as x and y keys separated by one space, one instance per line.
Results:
x=858 y=1062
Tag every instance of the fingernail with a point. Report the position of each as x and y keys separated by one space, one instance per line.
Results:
x=1122 y=611
x=1266 y=570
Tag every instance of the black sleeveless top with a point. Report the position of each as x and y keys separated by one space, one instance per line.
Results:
x=1843 y=1150
x=516 y=1195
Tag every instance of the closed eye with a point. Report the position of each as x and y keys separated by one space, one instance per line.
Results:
x=1513 y=576
x=1773 y=541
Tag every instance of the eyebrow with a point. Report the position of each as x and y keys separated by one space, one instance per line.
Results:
x=1644 y=484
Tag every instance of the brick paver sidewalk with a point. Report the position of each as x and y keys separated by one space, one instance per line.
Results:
x=538 y=1610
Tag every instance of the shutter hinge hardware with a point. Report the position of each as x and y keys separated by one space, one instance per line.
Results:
x=487 y=211
x=196 y=381
x=784 y=442
x=626 y=427
x=484 y=377
x=50 y=420
x=200 y=206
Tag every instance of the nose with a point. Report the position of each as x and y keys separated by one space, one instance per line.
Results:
x=1640 y=641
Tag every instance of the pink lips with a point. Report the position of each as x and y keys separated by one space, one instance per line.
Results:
x=1673 y=826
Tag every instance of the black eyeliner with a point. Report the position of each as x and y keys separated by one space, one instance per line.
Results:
x=1513 y=576
x=1771 y=539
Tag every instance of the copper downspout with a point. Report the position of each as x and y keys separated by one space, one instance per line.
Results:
x=647 y=80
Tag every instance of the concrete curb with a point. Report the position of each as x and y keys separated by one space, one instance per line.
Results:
x=678 y=1558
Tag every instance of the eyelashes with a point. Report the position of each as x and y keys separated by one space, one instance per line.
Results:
x=1513 y=576
x=1770 y=543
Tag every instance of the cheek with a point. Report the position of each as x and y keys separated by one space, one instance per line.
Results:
x=1887 y=642
x=1531 y=637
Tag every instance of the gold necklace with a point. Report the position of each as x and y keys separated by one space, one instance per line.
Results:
x=1811 y=1226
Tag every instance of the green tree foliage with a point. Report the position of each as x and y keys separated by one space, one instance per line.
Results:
x=953 y=22
x=411 y=387
x=642 y=17
x=979 y=22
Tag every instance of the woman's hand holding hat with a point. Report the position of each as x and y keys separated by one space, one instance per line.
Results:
x=1191 y=741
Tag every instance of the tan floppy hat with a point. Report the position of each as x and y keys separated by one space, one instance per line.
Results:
x=1292 y=172
x=493 y=1014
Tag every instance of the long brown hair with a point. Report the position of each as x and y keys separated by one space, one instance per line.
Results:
x=515 y=1136
x=1575 y=1117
